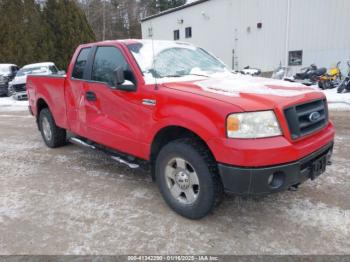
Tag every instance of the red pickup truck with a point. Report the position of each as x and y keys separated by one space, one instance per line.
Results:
x=201 y=129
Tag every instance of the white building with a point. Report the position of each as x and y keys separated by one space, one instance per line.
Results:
x=260 y=33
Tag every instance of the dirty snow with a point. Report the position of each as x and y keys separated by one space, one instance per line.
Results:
x=340 y=102
x=8 y=104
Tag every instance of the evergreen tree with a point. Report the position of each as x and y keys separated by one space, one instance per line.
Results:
x=37 y=46
x=11 y=24
x=68 y=28
x=29 y=34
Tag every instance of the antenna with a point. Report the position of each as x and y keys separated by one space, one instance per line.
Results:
x=153 y=57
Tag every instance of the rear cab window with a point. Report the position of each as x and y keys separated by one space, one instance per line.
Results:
x=80 y=63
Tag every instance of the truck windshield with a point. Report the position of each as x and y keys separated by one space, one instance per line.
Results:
x=32 y=71
x=172 y=59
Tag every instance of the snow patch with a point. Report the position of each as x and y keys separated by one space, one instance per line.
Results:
x=234 y=85
x=332 y=219
x=8 y=104
x=338 y=102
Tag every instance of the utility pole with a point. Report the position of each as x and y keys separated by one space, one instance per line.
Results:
x=103 y=20
x=286 y=48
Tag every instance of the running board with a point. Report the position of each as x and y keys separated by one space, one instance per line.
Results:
x=113 y=155
x=122 y=161
x=79 y=142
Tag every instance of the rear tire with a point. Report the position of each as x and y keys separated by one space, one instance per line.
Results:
x=187 y=177
x=53 y=135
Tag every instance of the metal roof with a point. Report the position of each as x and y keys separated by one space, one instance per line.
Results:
x=172 y=10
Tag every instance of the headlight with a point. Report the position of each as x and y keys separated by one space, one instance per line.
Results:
x=253 y=125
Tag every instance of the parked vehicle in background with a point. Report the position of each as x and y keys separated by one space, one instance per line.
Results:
x=345 y=83
x=251 y=71
x=7 y=73
x=17 y=87
x=201 y=129
x=331 y=79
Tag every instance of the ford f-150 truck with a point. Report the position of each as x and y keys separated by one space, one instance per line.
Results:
x=200 y=128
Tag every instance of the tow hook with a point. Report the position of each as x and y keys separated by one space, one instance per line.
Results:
x=293 y=188
x=329 y=156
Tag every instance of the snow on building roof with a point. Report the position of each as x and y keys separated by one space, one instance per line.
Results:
x=192 y=3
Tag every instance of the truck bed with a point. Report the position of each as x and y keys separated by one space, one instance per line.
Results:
x=51 y=89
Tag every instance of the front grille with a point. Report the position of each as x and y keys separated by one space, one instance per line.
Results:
x=19 y=88
x=304 y=119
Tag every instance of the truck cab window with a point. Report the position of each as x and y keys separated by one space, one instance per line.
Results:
x=79 y=67
x=53 y=69
x=107 y=59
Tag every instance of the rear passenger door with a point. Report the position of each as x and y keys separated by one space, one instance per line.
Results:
x=74 y=92
x=113 y=117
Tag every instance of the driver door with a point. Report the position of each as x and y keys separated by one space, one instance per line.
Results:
x=113 y=117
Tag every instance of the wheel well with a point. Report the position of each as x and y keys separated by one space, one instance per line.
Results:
x=168 y=134
x=41 y=104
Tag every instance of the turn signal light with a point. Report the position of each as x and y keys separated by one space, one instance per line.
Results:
x=232 y=123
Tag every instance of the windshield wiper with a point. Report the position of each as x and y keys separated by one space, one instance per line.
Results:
x=185 y=75
x=198 y=75
x=173 y=76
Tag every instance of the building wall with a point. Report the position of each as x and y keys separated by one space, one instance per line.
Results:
x=208 y=22
x=318 y=27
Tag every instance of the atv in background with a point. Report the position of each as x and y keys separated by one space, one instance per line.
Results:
x=308 y=75
x=331 y=79
x=345 y=84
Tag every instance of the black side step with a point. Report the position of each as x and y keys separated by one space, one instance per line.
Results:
x=124 y=159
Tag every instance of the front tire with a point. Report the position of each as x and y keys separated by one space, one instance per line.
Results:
x=188 y=179
x=53 y=135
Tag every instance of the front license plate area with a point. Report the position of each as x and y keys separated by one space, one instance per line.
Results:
x=318 y=167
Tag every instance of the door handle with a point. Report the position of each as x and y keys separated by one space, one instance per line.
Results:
x=90 y=96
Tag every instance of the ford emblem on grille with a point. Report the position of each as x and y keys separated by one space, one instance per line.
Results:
x=314 y=117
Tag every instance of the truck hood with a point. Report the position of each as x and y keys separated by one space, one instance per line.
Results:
x=247 y=92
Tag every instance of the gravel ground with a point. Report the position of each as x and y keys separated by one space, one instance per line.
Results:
x=73 y=201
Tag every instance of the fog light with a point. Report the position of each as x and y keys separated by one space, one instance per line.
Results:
x=269 y=181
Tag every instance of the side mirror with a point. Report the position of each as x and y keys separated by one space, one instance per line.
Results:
x=124 y=80
x=119 y=77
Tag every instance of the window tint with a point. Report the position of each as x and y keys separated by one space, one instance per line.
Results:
x=78 y=71
x=188 y=32
x=176 y=34
x=107 y=59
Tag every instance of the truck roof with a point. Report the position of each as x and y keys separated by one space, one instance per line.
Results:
x=133 y=41
x=39 y=65
x=7 y=65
